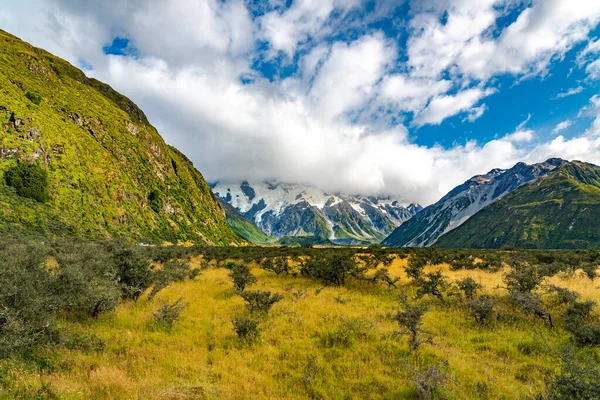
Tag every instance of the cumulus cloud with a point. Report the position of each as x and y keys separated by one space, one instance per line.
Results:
x=329 y=123
x=562 y=126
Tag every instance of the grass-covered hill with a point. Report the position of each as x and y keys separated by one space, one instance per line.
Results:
x=558 y=211
x=78 y=158
x=244 y=227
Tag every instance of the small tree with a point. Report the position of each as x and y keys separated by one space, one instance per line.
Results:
x=259 y=300
x=279 y=265
x=531 y=304
x=576 y=322
x=415 y=266
x=579 y=379
x=469 y=287
x=523 y=278
x=383 y=275
x=410 y=320
x=332 y=268
x=246 y=329
x=432 y=284
x=167 y=314
x=241 y=276
x=482 y=309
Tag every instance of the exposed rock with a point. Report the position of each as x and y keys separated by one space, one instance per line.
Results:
x=75 y=118
x=58 y=148
x=6 y=153
x=32 y=134
x=132 y=128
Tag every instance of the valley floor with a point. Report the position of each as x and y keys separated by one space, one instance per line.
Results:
x=318 y=342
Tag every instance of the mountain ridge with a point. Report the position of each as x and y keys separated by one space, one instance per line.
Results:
x=109 y=172
x=282 y=209
x=559 y=210
x=464 y=201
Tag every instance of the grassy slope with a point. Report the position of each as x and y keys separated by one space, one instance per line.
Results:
x=560 y=210
x=201 y=358
x=102 y=155
x=244 y=226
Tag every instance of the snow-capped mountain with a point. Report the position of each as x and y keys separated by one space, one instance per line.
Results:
x=464 y=201
x=281 y=209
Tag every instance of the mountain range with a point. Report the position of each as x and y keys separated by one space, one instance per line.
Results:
x=79 y=159
x=464 y=201
x=289 y=210
x=560 y=210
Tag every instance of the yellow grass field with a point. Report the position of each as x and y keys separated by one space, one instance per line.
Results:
x=201 y=358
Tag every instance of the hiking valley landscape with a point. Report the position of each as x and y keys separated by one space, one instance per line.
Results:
x=300 y=200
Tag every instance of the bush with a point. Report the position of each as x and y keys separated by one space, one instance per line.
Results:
x=430 y=382
x=482 y=309
x=576 y=322
x=531 y=304
x=259 y=300
x=469 y=287
x=29 y=180
x=167 y=314
x=34 y=98
x=415 y=266
x=383 y=275
x=155 y=201
x=410 y=320
x=332 y=268
x=432 y=284
x=565 y=296
x=246 y=329
x=279 y=265
x=579 y=379
x=134 y=272
x=241 y=276
x=171 y=272
x=523 y=278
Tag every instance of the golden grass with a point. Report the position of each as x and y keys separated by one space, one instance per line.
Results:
x=201 y=358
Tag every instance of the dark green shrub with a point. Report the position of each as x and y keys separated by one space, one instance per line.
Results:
x=579 y=379
x=383 y=275
x=259 y=300
x=410 y=320
x=469 y=287
x=246 y=329
x=565 y=296
x=523 y=278
x=171 y=272
x=577 y=317
x=531 y=304
x=279 y=265
x=241 y=276
x=432 y=284
x=332 y=268
x=155 y=201
x=34 y=98
x=415 y=266
x=167 y=314
x=482 y=309
x=134 y=271
x=29 y=180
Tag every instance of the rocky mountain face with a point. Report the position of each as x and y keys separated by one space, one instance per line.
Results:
x=561 y=210
x=103 y=170
x=282 y=210
x=464 y=201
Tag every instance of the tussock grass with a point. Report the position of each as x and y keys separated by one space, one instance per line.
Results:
x=311 y=345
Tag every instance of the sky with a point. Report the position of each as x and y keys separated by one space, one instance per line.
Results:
x=375 y=97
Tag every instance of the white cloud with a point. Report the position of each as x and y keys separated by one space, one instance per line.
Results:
x=442 y=107
x=562 y=126
x=297 y=129
x=520 y=136
x=570 y=92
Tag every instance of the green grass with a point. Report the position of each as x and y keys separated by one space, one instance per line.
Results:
x=102 y=156
x=331 y=343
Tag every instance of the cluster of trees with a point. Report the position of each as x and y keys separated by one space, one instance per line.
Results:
x=41 y=279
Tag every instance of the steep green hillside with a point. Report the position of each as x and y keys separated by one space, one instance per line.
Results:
x=560 y=210
x=109 y=172
x=244 y=227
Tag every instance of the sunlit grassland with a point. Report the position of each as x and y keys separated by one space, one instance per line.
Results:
x=202 y=358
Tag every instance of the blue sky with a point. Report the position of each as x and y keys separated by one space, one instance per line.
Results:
x=406 y=97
